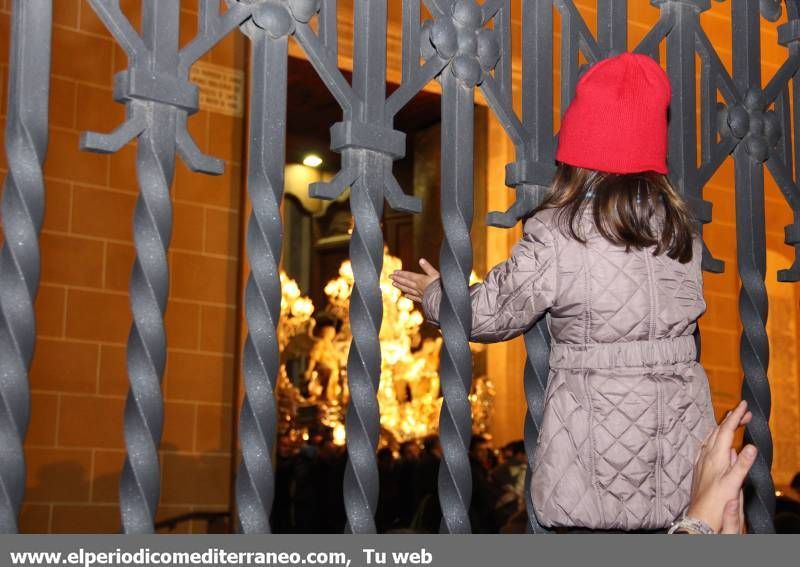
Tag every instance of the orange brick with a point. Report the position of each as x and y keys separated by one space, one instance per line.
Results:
x=197 y=480
x=34 y=519
x=5 y=32
x=65 y=366
x=723 y=204
x=198 y=128
x=719 y=349
x=228 y=139
x=98 y=316
x=3 y=90
x=726 y=283
x=188 y=27
x=113 y=371
x=105 y=214
x=85 y=518
x=219 y=329
x=721 y=241
x=722 y=313
x=778 y=215
x=214 y=428
x=97 y=110
x=57 y=475
x=179 y=418
x=58 y=203
x=71 y=260
x=62 y=103
x=89 y=421
x=82 y=57
x=122 y=169
x=119 y=59
x=183 y=320
x=91 y=23
x=217 y=190
x=229 y=52
x=119 y=264
x=199 y=377
x=65 y=13
x=66 y=161
x=42 y=426
x=223 y=233
x=50 y=310
x=188 y=227
x=202 y=278
x=105 y=475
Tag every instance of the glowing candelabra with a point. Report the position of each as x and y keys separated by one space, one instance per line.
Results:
x=409 y=395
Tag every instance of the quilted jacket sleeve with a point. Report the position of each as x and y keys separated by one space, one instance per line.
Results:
x=514 y=294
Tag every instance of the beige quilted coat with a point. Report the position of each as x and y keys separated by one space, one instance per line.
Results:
x=627 y=405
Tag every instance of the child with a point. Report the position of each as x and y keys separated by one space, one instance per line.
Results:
x=612 y=258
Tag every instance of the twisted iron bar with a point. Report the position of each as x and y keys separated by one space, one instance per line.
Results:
x=158 y=100
x=751 y=262
x=147 y=342
x=455 y=314
x=364 y=358
x=530 y=176
x=258 y=419
x=21 y=210
x=754 y=343
x=368 y=146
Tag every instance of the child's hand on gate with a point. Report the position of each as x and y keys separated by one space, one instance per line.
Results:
x=413 y=284
x=719 y=474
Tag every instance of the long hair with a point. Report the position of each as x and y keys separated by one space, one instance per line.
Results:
x=635 y=210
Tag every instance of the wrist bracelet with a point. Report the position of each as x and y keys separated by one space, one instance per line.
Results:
x=692 y=526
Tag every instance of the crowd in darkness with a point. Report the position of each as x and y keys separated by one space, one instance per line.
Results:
x=308 y=487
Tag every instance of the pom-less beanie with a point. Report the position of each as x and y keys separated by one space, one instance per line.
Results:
x=617 y=121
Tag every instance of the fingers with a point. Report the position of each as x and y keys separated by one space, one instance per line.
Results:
x=408 y=281
x=727 y=429
x=741 y=467
x=412 y=293
x=427 y=268
x=407 y=277
x=730 y=518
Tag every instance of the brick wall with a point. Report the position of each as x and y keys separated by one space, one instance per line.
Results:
x=78 y=380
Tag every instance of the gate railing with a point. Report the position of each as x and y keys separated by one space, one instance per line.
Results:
x=467 y=45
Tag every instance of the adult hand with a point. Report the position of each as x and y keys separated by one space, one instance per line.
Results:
x=413 y=284
x=719 y=474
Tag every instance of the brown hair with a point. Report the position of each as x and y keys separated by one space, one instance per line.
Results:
x=623 y=207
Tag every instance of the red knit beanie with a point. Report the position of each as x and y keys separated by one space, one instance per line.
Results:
x=617 y=121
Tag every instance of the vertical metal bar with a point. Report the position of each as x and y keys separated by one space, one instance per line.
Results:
x=328 y=33
x=140 y=484
x=681 y=68
x=261 y=358
x=612 y=25
x=411 y=46
x=537 y=117
x=22 y=210
x=455 y=423
x=751 y=260
x=503 y=74
x=366 y=254
x=570 y=50
x=158 y=98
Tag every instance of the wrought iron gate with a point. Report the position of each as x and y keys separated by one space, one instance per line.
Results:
x=466 y=46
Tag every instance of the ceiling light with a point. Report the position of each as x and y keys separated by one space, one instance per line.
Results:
x=312 y=160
